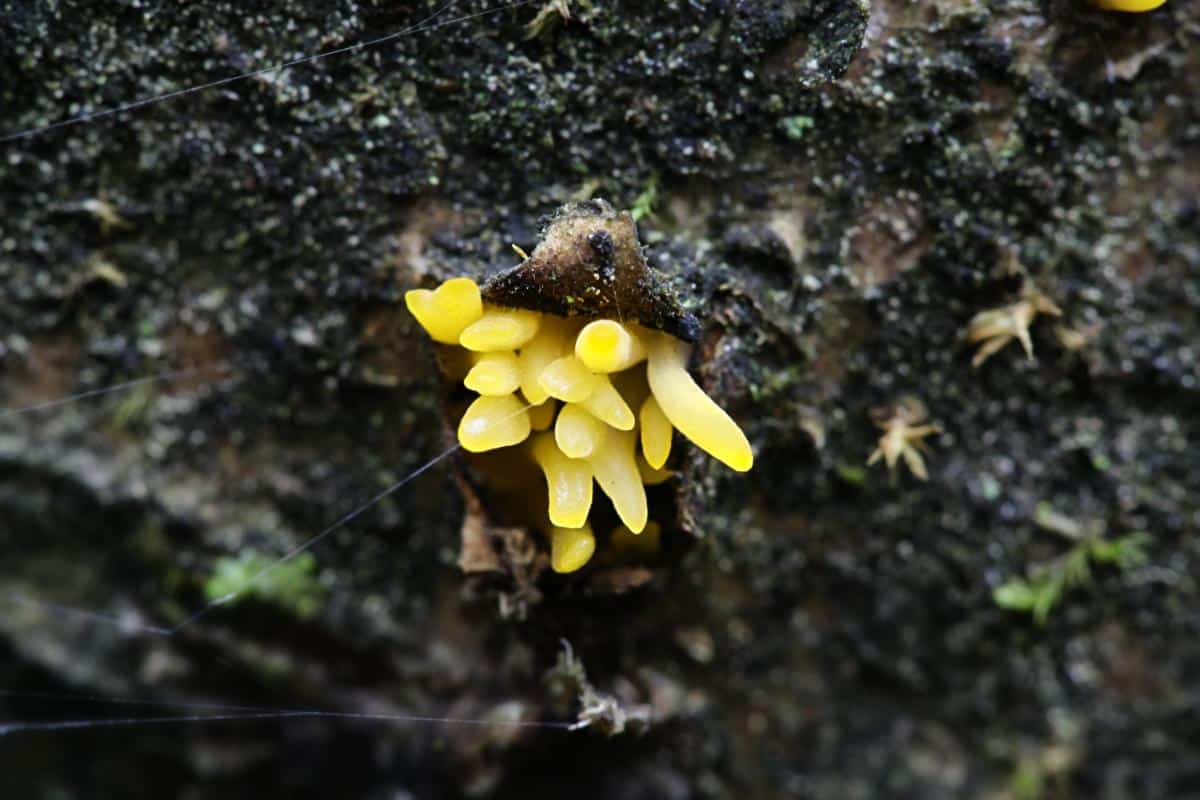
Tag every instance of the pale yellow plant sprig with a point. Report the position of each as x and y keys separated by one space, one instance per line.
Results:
x=904 y=431
x=996 y=327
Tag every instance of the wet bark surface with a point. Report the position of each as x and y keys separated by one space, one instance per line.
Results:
x=835 y=190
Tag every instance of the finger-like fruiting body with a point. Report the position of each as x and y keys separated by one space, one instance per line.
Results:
x=608 y=346
x=567 y=379
x=577 y=432
x=617 y=473
x=1133 y=6
x=500 y=329
x=553 y=340
x=656 y=433
x=493 y=422
x=607 y=405
x=691 y=410
x=494 y=374
x=571 y=548
x=448 y=310
x=568 y=480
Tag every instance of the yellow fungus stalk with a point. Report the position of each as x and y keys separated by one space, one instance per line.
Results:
x=542 y=417
x=617 y=473
x=577 y=432
x=608 y=346
x=567 y=379
x=500 y=329
x=1133 y=6
x=656 y=433
x=568 y=480
x=571 y=548
x=492 y=422
x=553 y=340
x=446 y=311
x=606 y=404
x=691 y=410
x=494 y=374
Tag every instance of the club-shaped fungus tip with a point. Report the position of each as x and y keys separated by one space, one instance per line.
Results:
x=446 y=311
x=1130 y=6
x=571 y=548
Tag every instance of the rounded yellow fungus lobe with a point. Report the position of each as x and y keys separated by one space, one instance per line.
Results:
x=656 y=433
x=1133 y=6
x=492 y=422
x=542 y=417
x=608 y=346
x=446 y=311
x=606 y=404
x=500 y=329
x=494 y=374
x=689 y=409
x=577 y=432
x=553 y=340
x=569 y=481
x=567 y=379
x=617 y=473
x=571 y=548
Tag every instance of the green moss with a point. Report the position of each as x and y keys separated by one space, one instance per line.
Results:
x=645 y=203
x=1039 y=593
x=289 y=584
x=795 y=126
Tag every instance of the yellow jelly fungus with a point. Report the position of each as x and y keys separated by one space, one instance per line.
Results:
x=577 y=432
x=553 y=340
x=617 y=473
x=1134 y=6
x=656 y=433
x=542 y=417
x=492 y=422
x=494 y=374
x=571 y=548
x=569 y=481
x=577 y=386
x=446 y=311
x=500 y=329
x=567 y=379
x=689 y=409
x=608 y=346
x=606 y=404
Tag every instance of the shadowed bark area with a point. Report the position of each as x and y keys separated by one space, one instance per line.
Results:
x=835 y=190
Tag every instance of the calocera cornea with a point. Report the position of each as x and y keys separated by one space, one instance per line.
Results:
x=578 y=357
x=1129 y=6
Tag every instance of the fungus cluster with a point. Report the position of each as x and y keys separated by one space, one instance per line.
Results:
x=585 y=401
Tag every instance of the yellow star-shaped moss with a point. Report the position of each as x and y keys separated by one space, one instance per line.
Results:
x=996 y=327
x=903 y=432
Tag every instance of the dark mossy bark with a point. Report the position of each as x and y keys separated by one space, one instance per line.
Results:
x=840 y=189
